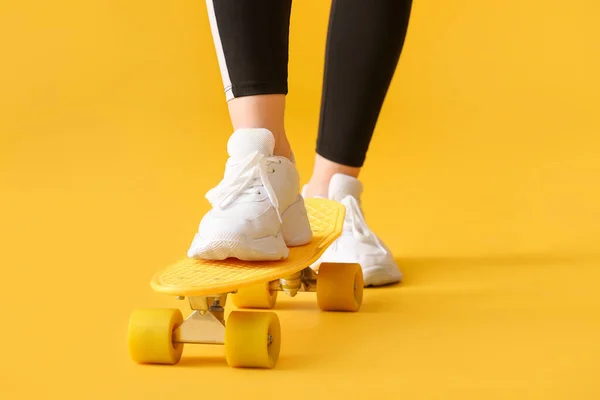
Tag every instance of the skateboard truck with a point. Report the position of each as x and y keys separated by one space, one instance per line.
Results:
x=302 y=281
x=206 y=324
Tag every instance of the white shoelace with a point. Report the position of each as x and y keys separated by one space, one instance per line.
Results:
x=360 y=230
x=252 y=177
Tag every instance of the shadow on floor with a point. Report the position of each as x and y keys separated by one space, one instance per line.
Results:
x=489 y=259
x=415 y=268
x=285 y=362
x=199 y=361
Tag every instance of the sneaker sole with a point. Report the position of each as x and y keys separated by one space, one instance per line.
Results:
x=265 y=249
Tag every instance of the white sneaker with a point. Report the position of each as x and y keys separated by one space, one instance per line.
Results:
x=357 y=242
x=257 y=210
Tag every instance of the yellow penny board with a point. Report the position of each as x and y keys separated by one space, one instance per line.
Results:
x=193 y=277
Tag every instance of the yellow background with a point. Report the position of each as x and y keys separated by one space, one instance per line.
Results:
x=483 y=177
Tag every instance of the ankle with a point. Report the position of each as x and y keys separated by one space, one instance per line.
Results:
x=262 y=111
x=282 y=147
x=324 y=170
x=316 y=188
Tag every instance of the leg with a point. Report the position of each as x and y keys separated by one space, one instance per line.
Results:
x=364 y=43
x=251 y=39
x=257 y=210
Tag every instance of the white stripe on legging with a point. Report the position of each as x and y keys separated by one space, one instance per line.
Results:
x=219 y=48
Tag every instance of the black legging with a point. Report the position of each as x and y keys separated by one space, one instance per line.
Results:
x=364 y=43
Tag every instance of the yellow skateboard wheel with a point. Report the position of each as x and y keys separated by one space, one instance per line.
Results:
x=340 y=287
x=150 y=336
x=252 y=339
x=255 y=296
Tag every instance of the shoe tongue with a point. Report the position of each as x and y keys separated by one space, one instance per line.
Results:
x=246 y=141
x=342 y=185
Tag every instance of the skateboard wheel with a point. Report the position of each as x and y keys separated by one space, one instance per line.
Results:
x=252 y=339
x=255 y=296
x=340 y=287
x=150 y=336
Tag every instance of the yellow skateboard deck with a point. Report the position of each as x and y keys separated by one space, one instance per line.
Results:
x=193 y=277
